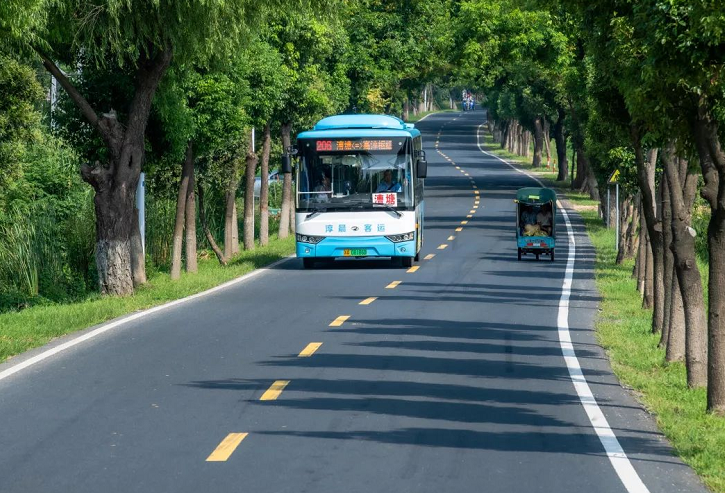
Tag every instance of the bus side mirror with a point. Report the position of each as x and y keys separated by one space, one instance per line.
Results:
x=422 y=167
x=286 y=164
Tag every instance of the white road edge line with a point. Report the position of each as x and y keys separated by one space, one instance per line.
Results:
x=621 y=463
x=112 y=325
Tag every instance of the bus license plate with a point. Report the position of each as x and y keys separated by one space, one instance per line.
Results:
x=355 y=252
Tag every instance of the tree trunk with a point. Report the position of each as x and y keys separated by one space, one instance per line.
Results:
x=264 y=188
x=406 y=109
x=668 y=275
x=547 y=142
x=669 y=314
x=230 y=216
x=115 y=183
x=624 y=216
x=632 y=242
x=676 y=338
x=644 y=251
x=235 y=229
x=646 y=181
x=287 y=204
x=249 y=173
x=683 y=189
x=579 y=180
x=560 y=140
x=648 y=299
x=180 y=208
x=191 y=261
x=205 y=226
x=538 y=141
x=712 y=162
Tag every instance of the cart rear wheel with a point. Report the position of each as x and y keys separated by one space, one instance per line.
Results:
x=537 y=256
x=519 y=254
x=552 y=254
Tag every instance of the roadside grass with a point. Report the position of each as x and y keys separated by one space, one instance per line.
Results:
x=623 y=329
x=36 y=326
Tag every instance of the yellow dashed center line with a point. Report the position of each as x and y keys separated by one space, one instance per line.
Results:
x=451 y=238
x=339 y=320
x=393 y=285
x=469 y=216
x=429 y=256
x=464 y=222
x=472 y=211
x=226 y=447
x=459 y=230
x=367 y=301
x=274 y=391
x=442 y=247
x=310 y=349
x=413 y=269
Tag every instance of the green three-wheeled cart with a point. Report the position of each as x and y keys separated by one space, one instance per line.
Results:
x=536 y=222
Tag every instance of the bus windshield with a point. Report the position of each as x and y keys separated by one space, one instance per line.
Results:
x=355 y=174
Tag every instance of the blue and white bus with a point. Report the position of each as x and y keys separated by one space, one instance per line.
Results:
x=359 y=189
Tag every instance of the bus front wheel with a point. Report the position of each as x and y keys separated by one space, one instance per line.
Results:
x=407 y=262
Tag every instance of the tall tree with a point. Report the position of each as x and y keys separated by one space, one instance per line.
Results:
x=144 y=37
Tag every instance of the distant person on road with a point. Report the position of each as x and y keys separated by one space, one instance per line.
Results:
x=388 y=185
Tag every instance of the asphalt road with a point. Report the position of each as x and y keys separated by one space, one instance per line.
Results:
x=450 y=380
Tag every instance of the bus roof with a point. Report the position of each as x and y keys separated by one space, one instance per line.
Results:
x=349 y=126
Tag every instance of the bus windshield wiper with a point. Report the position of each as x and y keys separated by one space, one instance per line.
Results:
x=315 y=211
x=397 y=213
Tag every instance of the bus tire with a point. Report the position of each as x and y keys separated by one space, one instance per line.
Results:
x=519 y=254
x=308 y=263
x=417 y=257
x=407 y=262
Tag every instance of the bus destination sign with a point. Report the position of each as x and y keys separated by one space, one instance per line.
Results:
x=355 y=145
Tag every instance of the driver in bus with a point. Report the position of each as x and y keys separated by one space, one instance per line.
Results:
x=324 y=187
x=388 y=185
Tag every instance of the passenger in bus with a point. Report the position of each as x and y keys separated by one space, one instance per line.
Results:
x=388 y=185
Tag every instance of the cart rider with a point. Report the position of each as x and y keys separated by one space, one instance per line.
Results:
x=544 y=219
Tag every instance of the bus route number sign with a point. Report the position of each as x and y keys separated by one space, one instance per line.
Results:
x=389 y=199
x=354 y=145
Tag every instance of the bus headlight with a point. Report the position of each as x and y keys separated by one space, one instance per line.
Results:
x=404 y=237
x=309 y=239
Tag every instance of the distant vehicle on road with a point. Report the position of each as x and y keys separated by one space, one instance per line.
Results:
x=273 y=177
x=359 y=189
